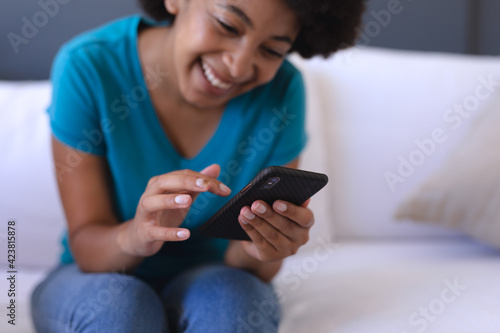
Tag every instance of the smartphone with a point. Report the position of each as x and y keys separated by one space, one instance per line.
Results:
x=271 y=184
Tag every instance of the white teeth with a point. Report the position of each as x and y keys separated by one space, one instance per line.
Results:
x=212 y=79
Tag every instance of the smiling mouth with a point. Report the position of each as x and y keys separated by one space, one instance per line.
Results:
x=213 y=79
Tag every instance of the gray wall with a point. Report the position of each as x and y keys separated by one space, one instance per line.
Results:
x=33 y=59
x=462 y=26
x=421 y=25
x=489 y=27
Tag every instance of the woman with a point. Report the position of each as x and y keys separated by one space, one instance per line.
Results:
x=153 y=122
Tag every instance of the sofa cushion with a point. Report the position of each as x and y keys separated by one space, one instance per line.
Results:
x=391 y=286
x=464 y=193
x=381 y=109
x=314 y=157
x=29 y=191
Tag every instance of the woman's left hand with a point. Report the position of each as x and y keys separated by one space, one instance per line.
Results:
x=276 y=232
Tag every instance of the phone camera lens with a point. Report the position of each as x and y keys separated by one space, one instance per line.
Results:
x=270 y=183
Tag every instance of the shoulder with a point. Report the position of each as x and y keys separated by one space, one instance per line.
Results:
x=288 y=76
x=105 y=36
x=289 y=71
x=104 y=41
x=286 y=83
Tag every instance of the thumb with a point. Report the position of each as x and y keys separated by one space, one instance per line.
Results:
x=211 y=170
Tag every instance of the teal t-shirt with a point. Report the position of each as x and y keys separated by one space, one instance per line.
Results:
x=101 y=105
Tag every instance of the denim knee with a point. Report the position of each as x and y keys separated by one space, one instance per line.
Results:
x=73 y=301
x=223 y=299
x=124 y=304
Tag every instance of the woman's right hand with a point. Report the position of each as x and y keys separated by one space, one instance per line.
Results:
x=163 y=207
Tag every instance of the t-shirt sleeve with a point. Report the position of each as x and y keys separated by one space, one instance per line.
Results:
x=74 y=118
x=292 y=136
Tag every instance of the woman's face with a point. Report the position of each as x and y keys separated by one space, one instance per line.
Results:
x=223 y=48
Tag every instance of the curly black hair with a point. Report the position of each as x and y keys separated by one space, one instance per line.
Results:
x=327 y=25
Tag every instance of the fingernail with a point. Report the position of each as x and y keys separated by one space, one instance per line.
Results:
x=244 y=221
x=248 y=214
x=280 y=206
x=260 y=208
x=182 y=199
x=183 y=234
x=201 y=182
x=224 y=188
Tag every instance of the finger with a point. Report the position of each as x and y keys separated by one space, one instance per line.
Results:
x=264 y=227
x=157 y=202
x=186 y=180
x=288 y=228
x=301 y=215
x=252 y=249
x=214 y=171
x=261 y=244
x=306 y=203
x=211 y=171
x=167 y=234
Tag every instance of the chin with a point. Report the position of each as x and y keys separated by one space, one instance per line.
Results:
x=201 y=102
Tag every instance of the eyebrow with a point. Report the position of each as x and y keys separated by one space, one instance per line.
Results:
x=237 y=11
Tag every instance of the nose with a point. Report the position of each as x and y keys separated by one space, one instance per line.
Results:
x=240 y=63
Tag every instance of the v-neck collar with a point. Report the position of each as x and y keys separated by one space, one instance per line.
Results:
x=216 y=140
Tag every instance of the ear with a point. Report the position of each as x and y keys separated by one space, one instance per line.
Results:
x=172 y=6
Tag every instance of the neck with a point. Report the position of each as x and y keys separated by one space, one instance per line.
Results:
x=156 y=51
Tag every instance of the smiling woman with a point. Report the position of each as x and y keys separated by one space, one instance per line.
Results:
x=218 y=99
x=219 y=51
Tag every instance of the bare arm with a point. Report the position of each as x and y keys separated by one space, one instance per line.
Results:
x=92 y=225
x=99 y=243
x=237 y=257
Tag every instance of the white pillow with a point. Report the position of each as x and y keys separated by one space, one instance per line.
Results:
x=377 y=103
x=314 y=158
x=465 y=193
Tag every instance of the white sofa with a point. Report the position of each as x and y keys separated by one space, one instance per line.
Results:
x=362 y=270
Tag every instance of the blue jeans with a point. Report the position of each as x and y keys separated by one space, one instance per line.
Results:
x=206 y=299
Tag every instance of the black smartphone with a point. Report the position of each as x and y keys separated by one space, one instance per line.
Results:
x=271 y=184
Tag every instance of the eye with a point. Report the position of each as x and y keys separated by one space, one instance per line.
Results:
x=228 y=28
x=273 y=53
